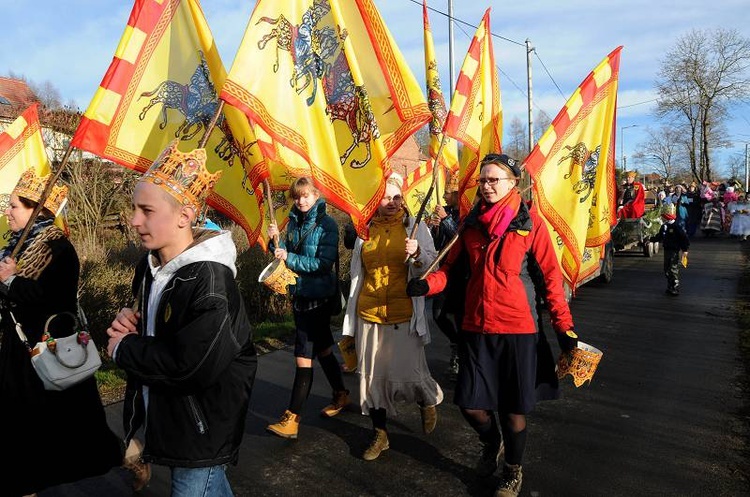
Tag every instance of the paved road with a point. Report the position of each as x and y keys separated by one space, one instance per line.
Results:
x=662 y=417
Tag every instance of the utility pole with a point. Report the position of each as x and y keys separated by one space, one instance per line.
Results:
x=450 y=51
x=529 y=49
x=747 y=170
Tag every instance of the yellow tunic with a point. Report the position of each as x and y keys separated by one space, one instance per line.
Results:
x=383 y=297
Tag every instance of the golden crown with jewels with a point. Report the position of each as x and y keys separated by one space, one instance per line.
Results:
x=452 y=184
x=31 y=186
x=183 y=175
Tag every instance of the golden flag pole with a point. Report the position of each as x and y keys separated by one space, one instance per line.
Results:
x=40 y=205
x=269 y=201
x=211 y=125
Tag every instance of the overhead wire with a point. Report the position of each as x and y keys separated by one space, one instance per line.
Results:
x=460 y=22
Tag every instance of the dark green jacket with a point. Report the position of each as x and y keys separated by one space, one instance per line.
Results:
x=313 y=259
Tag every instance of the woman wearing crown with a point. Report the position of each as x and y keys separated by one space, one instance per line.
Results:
x=51 y=437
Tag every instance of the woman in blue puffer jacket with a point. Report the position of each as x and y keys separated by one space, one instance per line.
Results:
x=310 y=249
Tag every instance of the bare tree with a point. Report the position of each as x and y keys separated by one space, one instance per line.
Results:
x=515 y=139
x=699 y=78
x=543 y=122
x=664 y=151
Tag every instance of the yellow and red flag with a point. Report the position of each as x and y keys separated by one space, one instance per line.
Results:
x=572 y=167
x=475 y=118
x=448 y=159
x=417 y=185
x=163 y=84
x=21 y=148
x=326 y=83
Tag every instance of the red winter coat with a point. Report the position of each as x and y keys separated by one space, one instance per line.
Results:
x=500 y=295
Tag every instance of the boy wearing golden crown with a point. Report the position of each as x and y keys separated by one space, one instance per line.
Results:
x=186 y=344
x=674 y=238
x=40 y=282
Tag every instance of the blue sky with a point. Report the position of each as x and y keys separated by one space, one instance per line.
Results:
x=71 y=43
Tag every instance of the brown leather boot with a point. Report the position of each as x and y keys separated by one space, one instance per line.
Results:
x=132 y=461
x=512 y=479
x=340 y=400
x=379 y=444
x=287 y=427
x=429 y=418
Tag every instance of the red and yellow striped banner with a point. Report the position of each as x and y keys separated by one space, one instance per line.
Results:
x=21 y=148
x=163 y=84
x=475 y=117
x=448 y=159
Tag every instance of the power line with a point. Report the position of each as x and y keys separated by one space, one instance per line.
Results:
x=461 y=21
x=637 y=103
x=548 y=73
x=505 y=75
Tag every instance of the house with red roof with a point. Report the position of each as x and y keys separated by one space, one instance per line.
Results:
x=15 y=97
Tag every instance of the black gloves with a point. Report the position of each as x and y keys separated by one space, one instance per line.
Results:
x=417 y=288
x=567 y=340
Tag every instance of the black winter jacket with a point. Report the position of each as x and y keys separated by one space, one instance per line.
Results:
x=199 y=368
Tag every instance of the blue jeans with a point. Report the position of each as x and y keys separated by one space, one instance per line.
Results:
x=201 y=482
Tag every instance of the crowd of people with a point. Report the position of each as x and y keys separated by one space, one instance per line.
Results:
x=186 y=344
x=714 y=208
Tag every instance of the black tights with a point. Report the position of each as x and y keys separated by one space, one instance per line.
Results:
x=513 y=428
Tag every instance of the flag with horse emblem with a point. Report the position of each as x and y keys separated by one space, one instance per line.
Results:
x=327 y=84
x=572 y=166
x=163 y=84
x=448 y=159
x=21 y=148
x=475 y=118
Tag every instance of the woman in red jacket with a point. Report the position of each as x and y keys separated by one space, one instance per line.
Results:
x=508 y=252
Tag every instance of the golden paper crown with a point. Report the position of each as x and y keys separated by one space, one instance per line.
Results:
x=31 y=186
x=631 y=174
x=183 y=175
x=452 y=184
x=581 y=363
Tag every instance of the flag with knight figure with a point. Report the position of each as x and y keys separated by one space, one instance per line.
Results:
x=324 y=81
x=163 y=84
x=475 y=117
x=21 y=148
x=572 y=166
